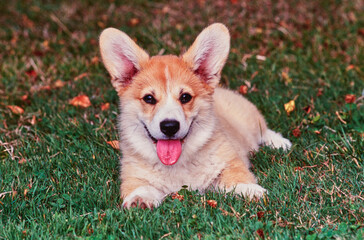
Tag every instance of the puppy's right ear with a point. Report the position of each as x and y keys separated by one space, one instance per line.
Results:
x=122 y=57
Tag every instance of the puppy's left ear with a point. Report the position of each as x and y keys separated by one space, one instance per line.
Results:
x=208 y=54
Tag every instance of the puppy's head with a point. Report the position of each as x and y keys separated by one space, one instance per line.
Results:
x=166 y=101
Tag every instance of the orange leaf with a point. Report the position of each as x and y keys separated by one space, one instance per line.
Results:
x=80 y=101
x=59 y=83
x=134 y=21
x=24 y=97
x=21 y=161
x=105 y=106
x=177 y=196
x=350 y=67
x=82 y=75
x=16 y=109
x=254 y=75
x=350 y=98
x=289 y=107
x=212 y=203
x=243 y=89
x=95 y=60
x=114 y=144
x=33 y=121
x=307 y=109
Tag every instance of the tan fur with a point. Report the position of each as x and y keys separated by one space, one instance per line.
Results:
x=221 y=126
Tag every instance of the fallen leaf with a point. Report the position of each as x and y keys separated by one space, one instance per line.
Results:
x=320 y=91
x=105 y=106
x=114 y=144
x=177 y=196
x=350 y=67
x=350 y=98
x=260 y=233
x=95 y=60
x=16 y=109
x=134 y=21
x=59 y=83
x=243 y=89
x=80 y=101
x=307 y=109
x=24 y=97
x=298 y=169
x=33 y=121
x=260 y=214
x=47 y=88
x=212 y=203
x=286 y=78
x=31 y=73
x=254 y=75
x=82 y=75
x=296 y=132
x=21 y=161
x=289 y=107
x=26 y=192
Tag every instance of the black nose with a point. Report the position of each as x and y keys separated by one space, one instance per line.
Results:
x=169 y=127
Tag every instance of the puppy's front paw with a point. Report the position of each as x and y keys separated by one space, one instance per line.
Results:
x=143 y=197
x=249 y=190
x=276 y=140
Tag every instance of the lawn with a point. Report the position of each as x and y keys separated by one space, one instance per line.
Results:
x=59 y=172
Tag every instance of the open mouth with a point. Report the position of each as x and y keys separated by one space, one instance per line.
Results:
x=168 y=150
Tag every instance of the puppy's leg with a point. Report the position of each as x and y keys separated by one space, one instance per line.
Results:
x=275 y=140
x=137 y=193
x=238 y=178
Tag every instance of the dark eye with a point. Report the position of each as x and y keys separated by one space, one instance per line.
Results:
x=185 y=98
x=149 y=99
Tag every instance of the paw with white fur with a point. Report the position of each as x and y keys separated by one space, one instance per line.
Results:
x=143 y=197
x=248 y=190
x=276 y=140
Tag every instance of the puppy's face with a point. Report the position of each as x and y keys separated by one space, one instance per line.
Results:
x=166 y=97
x=163 y=96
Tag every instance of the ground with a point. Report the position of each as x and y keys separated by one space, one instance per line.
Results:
x=300 y=62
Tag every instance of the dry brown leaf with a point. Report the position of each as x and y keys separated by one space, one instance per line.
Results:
x=105 y=106
x=290 y=106
x=16 y=109
x=82 y=75
x=286 y=77
x=80 y=101
x=114 y=144
x=296 y=132
x=59 y=83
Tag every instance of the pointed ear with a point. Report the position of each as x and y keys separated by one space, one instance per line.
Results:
x=121 y=56
x=208 y=53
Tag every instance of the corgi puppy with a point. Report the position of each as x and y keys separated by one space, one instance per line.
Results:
x=177 y=127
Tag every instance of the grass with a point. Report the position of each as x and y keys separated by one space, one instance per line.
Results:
x=59 y=177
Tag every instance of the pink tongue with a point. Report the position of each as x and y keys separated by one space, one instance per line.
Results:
x=169 y=151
